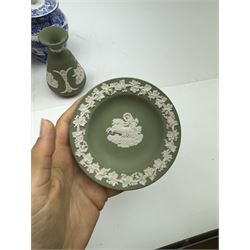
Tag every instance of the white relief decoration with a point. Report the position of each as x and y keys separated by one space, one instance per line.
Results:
x=125 y=132
x=56 y=50
x=86 y=160
x=51 y=80
x=78 y=74
x=64 y=74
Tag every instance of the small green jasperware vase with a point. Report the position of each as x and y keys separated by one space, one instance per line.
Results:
x=65 y=76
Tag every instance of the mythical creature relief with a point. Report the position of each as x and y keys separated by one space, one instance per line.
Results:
x=125 y=132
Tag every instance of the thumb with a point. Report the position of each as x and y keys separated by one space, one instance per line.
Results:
x=42 y=151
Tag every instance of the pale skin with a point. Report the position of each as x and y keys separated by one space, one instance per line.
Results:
x=66 y=204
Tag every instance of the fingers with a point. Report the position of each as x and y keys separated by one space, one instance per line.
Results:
x=63 y=124
x=42 y=152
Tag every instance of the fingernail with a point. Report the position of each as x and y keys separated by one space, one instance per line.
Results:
x=42 y=127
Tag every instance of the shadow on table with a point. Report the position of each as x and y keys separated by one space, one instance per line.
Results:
x=208 y=240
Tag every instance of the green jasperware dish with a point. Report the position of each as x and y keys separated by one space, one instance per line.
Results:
x=125 y=134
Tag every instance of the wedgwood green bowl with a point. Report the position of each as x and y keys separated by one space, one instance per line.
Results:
x=125 y=134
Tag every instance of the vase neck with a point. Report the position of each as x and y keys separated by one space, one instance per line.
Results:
x=57 y=50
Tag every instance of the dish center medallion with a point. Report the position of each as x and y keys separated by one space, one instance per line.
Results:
x=125 y=132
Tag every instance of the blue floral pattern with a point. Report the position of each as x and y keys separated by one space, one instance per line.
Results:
x=47 y=7
x=55 y=18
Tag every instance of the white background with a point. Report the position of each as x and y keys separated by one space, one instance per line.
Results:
x=172 y=44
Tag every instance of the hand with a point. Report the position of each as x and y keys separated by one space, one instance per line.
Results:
x=65 y=202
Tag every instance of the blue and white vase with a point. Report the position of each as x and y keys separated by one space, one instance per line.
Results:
x=44 y=13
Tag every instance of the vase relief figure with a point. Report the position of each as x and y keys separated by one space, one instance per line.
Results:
x=65 y=76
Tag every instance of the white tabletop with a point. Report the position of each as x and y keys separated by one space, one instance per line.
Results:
x=172 y=44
